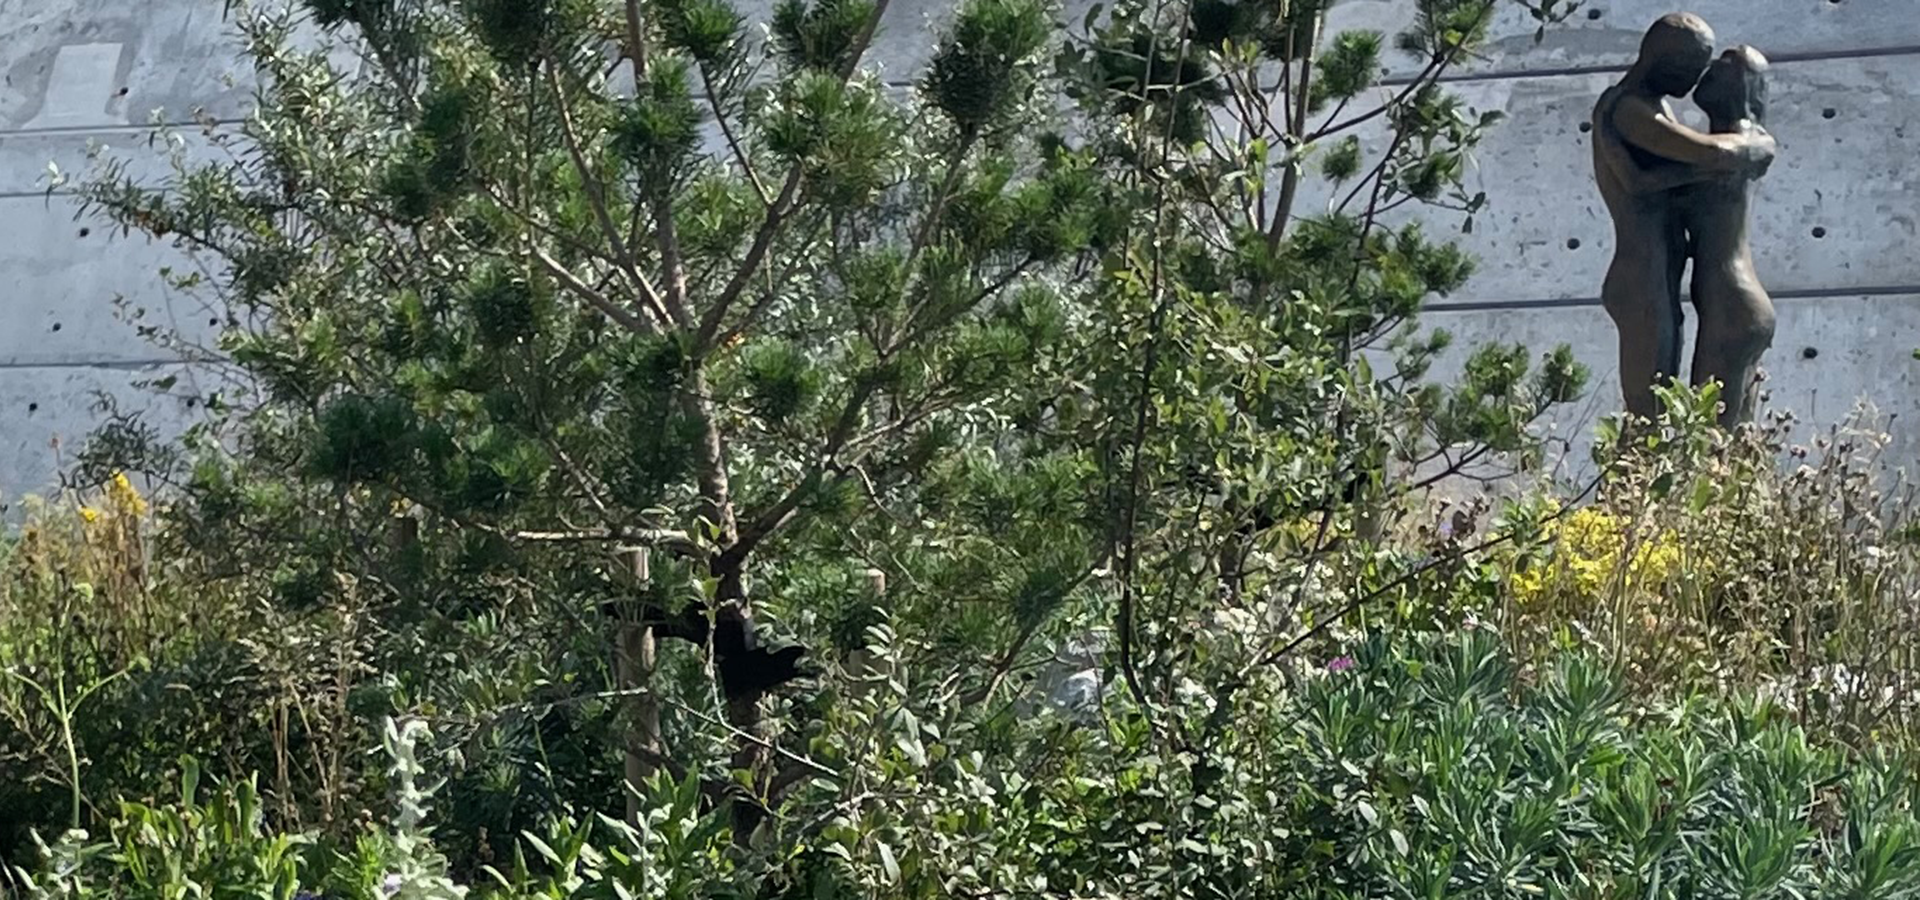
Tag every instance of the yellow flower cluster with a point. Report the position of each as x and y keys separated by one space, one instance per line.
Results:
x=124 y=497
x=1586 y=558
x=120 y=501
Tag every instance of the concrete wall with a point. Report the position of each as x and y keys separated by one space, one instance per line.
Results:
x=1834 y=226
x=1834 y=223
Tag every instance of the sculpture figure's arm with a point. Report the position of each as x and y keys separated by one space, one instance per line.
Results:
x=1656 y=179
x=1648 y=127
x=1688 y=156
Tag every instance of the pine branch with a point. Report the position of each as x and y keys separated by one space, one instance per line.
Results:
x=596 y=199
x=594 y=298
x=777 y=212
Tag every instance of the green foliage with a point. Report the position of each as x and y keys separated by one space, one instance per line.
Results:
x=1419 y=766
x=780 y=380
x=1349 y=66
x=516 y=32
x=1343 y=161
x=186 y=848
x=661 y=128
x=842 y=135
x=1702 y=565
x=1441 y=27
x=821 y=35
x=435 y=169
x=706 y=30
x=362 y=438
x=986 y=64
x=1433 y=778
x=760 y=433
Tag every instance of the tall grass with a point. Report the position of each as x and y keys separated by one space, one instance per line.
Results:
x=1743 y=562
x=116 y=659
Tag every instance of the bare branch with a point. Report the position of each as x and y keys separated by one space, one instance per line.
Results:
x=1296 y=129
x=594 y=298
x=636 y=39
x=1333 y=127
x=781 y=512
x=777 y=211
x=733 y=143
x=756 y=254
x=596 y=198
x=677 y=541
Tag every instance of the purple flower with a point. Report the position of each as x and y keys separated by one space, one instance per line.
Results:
x=1340 y=664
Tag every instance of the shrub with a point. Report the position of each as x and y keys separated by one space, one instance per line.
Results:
x=115 y=661
x=1702 y=564
x=1423 y=767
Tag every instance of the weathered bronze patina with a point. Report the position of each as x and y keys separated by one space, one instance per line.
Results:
x=1677 y=194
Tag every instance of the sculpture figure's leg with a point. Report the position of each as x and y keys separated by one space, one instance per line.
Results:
x=1649 y=326
x=1643 y=298
x=1736 y=328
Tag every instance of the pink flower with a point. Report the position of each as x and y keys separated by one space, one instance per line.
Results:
x=1340 y=664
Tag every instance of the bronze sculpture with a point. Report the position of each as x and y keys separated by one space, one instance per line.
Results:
x=1674 y=194
x=1736 y=315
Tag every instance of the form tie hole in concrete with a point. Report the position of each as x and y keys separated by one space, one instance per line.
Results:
x=33 y=407
x=1829 y=113
x=1586 y=127
x=1819 y=232
x=1593 y=15
x=1810 y=353
x=56 y=326
x=1573 y=243
x=85 y=231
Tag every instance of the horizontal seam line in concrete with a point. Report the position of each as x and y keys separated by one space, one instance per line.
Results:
x=1785 y=57
x=1892 y=290
x=1394 y=81
x=107 y=363
x=69 y=130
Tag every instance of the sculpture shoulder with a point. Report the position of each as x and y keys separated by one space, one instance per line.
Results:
x=1619 y=104
x=1615 y=102
x=1603 y=107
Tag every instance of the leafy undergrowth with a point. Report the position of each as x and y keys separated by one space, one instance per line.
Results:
x=1428 y=767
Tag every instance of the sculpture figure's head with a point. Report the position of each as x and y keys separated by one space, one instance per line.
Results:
x=1735 y=86
x=1675 y=53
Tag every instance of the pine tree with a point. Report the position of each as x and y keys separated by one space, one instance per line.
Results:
x=544 y=284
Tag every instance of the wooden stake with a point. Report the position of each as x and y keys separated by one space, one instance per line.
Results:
x=635 y=659
x=859 y=662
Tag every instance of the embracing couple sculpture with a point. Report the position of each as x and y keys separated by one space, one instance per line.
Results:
x=1677 y=194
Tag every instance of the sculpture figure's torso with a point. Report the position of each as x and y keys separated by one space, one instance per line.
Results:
x=1714 y=214
x=1646 y=231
